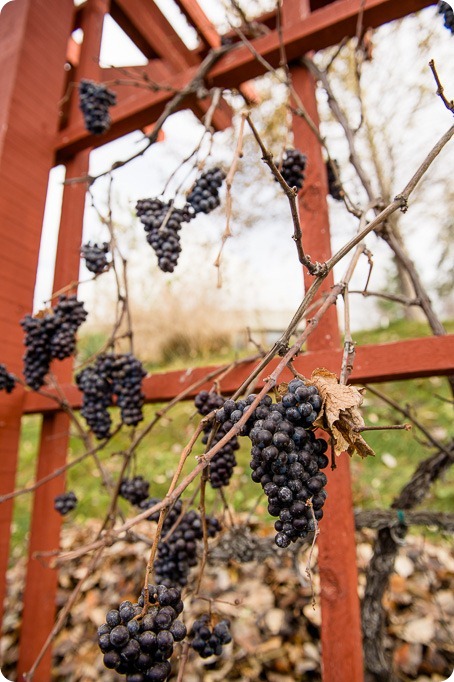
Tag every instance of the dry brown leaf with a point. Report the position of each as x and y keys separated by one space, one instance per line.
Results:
x=339 y=414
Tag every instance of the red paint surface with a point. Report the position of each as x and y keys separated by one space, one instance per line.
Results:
x=28 y=123
x=430 y=356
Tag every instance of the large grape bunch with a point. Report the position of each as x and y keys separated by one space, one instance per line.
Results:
x=204 y=196
x=95 y=257
x=286 y=457
x=177 y=553
x=162 y=223
x=223 y=463
x=95 y=100
x=49 y=336
x=111 y=374
x=7 y=380
x=139 y=645
x=206 y=640
x=293 y=166
x=448 y=15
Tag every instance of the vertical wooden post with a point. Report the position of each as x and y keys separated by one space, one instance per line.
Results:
x=341 y=624
x=33 y=40
x=41 y=582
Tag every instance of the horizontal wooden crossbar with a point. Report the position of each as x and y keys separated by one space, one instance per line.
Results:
x=410 y=359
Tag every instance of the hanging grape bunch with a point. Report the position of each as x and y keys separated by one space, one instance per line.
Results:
x=204 y=196
x=177 y=554
x=135 y=489
x=95 y=257
x=65 y=503
x=7 y=380
x=293 y=166
x=286 y=457
x=49 y=336
x=110 y=375
x=223 y=463
x=209 y=641
x=139 y=646
x=448 y=15
x=162 y=223
x=334 y=186
x=95 y=99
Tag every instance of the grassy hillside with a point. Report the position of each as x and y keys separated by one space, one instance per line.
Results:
x=375 y=481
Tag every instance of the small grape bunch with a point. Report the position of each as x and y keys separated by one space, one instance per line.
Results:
x=95 y=100
x=204 y=196
x=448 y=15
x=209 y=641
x=7 y=380
x=334 y=186
x=223 y=463
x=162 y=223
x=135 y=489
x=293 y=166
x=50 y=335
x=65 y=503
x=95 y=257
x=140 y=645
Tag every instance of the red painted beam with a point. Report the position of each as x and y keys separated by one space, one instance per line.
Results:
x=199 y=20
x=430 y=356
x=324 y=27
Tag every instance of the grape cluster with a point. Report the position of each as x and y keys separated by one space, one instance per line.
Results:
x=111 y=374
x=334 y=186
x=209 y=641
x=95 y=100
x=162 y=223
x=222 y=465
x=178 y=554
x=50 y=336
x=7 y=380
x=293 y=166
x=65 y=503
x=286 y=457
x=204 y=196
x=95 y=256
x=139 y=647
x=448 y=15
x=135 y=489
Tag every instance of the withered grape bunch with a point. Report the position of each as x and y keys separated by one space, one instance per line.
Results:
x=208 y=641
x=138 y=644
x=111 y=374
x=293 y=166
x=65 y=503
x=95 y=257
x=7 y=380
x=448 y=15
x=162 y=223
x=286 y=457
x=50 y=335
x=204 y=196
x=95 y=100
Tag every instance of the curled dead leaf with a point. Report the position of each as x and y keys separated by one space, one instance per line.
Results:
x=340 y=415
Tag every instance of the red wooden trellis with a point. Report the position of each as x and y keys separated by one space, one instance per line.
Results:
x=35 y=45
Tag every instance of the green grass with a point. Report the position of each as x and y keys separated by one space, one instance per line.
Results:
x=375 y=484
